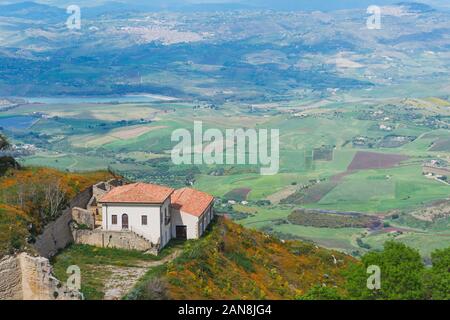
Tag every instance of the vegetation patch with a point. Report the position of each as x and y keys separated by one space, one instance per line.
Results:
x=441 y=144
x=239 y=194
x=311 y=194
x=314 y=218
x=404 y=275
x=395 y=141
x=324 y=153
x=232 y=262
x=14 y=231
x=372 y=160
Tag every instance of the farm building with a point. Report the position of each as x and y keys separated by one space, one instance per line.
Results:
x=156 y=213
x=436 y=170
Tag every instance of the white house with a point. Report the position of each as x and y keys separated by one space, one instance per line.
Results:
x=157 y=213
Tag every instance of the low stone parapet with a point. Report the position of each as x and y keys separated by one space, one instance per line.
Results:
x=114 y=239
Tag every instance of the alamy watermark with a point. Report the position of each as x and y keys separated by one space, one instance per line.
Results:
x=374 y=20
x=74 y=280
x=232 y=147
x=374 y=280
x=73 y=22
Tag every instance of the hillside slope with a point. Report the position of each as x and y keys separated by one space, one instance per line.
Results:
x=232 y=262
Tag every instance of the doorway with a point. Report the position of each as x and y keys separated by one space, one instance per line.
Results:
x=125 y=222
x=181 y=232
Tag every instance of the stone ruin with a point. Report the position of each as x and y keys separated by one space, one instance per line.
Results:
x=24 y=277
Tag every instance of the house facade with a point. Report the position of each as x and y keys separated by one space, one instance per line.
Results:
x=157 y=213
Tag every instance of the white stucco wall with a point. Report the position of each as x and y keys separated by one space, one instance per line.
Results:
x=156 y=229
x=151 y=231
x=185 y=219
x=166 y=233
x=205 y=220
x=195 y=225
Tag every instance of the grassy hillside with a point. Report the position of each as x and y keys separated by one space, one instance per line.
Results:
x=24 y=195
x=13 y=229
x=232 y=262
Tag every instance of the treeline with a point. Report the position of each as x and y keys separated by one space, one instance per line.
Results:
x=403 y=276
x=316 y=219
x=158 y=171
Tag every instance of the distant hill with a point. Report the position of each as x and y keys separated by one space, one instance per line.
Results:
x=416 y=7
x=32 y=11
x=232 y=262
x=35 y=10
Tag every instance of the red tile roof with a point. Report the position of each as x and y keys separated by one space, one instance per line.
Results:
x=191 y=201
x=138 y=193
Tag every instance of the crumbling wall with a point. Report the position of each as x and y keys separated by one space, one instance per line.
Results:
x=113 y=239
x=83 y=217
x=57 y=234
x=101 y=188
x=98 y=191
x=10 y=279
x=38 y=282
x=24 y=277
x=82 y=199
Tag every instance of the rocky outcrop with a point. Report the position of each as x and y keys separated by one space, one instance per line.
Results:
x=24 y=277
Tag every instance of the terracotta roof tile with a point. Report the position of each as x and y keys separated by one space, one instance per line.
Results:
x=191 y=201
x=138 y=193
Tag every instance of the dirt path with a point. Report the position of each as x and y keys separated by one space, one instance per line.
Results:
x=123 y=279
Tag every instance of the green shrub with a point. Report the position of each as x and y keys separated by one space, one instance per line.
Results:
x=241 y=260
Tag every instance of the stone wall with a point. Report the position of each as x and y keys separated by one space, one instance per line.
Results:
x=57 y=234
x=101 y=188
x=38 y=282
x=113 y=239
x=10 y=278
x=24 y=277
x=83 y=217
x=82 y=199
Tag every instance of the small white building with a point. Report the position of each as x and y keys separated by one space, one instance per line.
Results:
x=157 y=213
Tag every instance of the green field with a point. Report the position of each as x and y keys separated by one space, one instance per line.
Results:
x=424 y=242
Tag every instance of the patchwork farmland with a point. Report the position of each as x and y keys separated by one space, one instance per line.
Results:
x=371 y=160
x=322 y=169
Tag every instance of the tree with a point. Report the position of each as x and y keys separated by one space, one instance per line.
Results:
x=55 y=199
x=4 y=143
x=402 y=273
x=437 y=279
x=45 y=199
x=322 y=293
